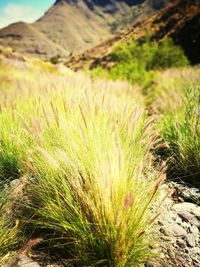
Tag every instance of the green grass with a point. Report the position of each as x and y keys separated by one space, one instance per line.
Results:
x=8 y=228
x=89 y=163
x=94 y=203
x=175 y=98
x=181 y=130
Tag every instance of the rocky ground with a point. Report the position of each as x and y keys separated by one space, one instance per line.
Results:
x=179 y=227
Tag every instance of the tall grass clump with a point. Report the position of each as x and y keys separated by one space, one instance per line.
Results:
x=90 y=167
x=181 y=130
x=89 y=188
x=13 y=148
x=8 y=228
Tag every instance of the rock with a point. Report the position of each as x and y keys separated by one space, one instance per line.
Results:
x=194 y=230
x=178 y=220
x=185 y=193
x=175 y=230
x=186 y=215
x=196 y=261
x=186 y=226
x=185 y=206
x=14 y=183
x=191 y=240
x=179 y=227
x=196 y=212
x=171 y=253
x=23 y=261
x=181 y=243
x=162 y=256
x=195 y=250
x=167 y=217
x=166 y=238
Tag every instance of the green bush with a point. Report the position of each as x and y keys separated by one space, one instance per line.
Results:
x=167 y=55
x=135 y=61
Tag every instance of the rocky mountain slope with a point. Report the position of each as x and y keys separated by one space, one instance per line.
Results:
x=179 y=20
x=75 y=25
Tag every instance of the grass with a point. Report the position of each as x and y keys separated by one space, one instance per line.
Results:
x=85 y=146
x=8 y=229
x=94 y=204
x=170 y=89
x=174 y=96
x=181 y=130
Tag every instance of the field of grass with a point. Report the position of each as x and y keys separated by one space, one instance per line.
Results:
x=84 y=152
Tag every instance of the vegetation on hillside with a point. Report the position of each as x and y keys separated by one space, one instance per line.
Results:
x=137 y=60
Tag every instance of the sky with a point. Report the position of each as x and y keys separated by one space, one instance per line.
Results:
x=22 y=10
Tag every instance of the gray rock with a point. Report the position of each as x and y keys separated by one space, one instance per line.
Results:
x=14 y=183
x=178 y=220
x=25 y=261
x=171 y=253
x=195 y=251
x=175 y=230
x=196 y=212
x=167 y=217
x=186 y=226
x=185 y=206
x=181 y=243
x=166 y=238
x=194 y=230
x=186 y=215
x=191 y=240
x=22 y=261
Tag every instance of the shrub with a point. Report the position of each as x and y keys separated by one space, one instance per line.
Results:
x=167 y=55
x=135 y=61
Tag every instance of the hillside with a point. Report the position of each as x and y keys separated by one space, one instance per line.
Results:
x=179 y=20
x=74 y=26
x=26 y=39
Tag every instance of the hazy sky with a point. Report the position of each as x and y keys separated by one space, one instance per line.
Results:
x=25 y=10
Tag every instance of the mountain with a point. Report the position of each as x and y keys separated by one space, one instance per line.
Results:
x=26 y=39
x=75 y=25
x=179 y=20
